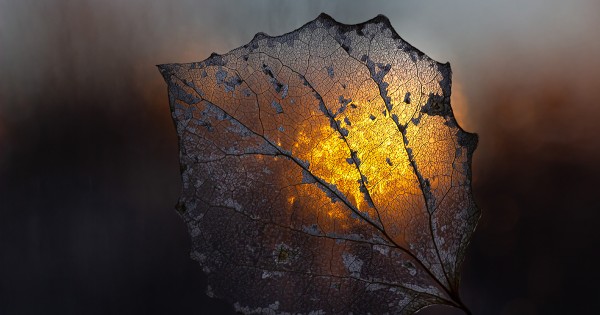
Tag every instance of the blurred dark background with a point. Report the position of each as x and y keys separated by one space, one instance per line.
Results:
x=89 y=169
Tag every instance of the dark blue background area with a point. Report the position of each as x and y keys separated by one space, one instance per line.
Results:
x=87 y=223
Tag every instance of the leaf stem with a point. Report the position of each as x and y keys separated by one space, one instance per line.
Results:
x=462 y=305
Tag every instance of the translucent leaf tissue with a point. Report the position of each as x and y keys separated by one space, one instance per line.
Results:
x=324 y=172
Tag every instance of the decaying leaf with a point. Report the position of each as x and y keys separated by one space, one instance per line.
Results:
x=324 y=172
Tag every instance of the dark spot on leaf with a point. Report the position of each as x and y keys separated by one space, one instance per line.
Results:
x=283 y=255
x=181 y=207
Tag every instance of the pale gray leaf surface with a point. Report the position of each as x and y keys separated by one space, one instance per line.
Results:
x=324 y=172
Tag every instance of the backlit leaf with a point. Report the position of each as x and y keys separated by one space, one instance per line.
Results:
x=324 y=172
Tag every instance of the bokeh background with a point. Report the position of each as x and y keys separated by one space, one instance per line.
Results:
x=89 y=169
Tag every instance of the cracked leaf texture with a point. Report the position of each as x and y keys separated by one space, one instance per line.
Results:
x=324 y=172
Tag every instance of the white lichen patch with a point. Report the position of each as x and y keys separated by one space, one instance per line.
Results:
x=271 y=274
x=233 y=204
x=382 y=249
x=375 y=286
x=352 y=263
x=313 y=229
x=209 y=292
